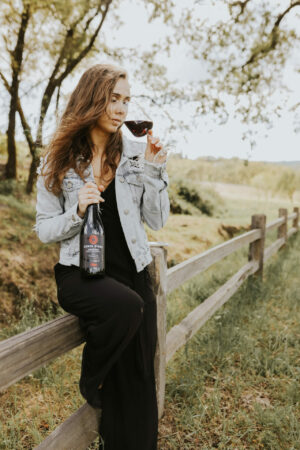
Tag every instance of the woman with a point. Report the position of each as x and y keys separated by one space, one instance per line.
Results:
x=90 y=161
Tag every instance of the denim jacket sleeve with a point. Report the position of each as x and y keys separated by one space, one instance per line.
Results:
x=155 y=206
x=53 y=223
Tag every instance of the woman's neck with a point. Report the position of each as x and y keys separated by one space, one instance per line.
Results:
x=99 y=139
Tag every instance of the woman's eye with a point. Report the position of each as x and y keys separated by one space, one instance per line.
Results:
x=114 y=100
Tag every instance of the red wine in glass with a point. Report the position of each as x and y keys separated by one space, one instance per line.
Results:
x=139 y=128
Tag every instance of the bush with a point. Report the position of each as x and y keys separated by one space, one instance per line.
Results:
x=2 y=144
x=8 y=187
x=185 y=198
x=14 y=188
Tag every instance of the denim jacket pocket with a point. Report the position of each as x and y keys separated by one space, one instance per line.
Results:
x=70 y=188
x=135 y=181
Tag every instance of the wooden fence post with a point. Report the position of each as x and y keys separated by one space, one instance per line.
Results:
x=282 y=230
x=296 y=220
x=257 y=248
x=158 y=272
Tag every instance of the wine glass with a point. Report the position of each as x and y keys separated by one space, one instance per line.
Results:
x=139 y=128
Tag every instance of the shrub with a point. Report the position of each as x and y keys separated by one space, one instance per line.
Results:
x=187 y=198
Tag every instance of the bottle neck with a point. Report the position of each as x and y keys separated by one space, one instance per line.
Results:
x=93 y=212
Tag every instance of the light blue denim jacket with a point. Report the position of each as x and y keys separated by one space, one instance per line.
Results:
x=141 y=194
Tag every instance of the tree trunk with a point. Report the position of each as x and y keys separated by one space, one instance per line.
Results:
x=16 y=65
x=11 y=165
x=32 y=171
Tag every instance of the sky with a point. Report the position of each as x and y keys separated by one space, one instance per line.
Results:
x=207 y=139
x=282 y=143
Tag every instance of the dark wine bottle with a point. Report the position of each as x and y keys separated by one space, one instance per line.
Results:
x=92 y=243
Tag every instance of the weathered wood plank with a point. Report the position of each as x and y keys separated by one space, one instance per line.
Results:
x=181 y=333
x=282 y=230
x=76 y=433
x=26 y=352
x=182 y=272
x=158 y=271
x=292 y=216
x=256 y=248
x=296 y=220
x=158 y=244
x=275 y=223
x=273 y=248
x=291 y=231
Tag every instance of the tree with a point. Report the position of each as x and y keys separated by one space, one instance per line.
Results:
x=61 y=34
x=288 y=183
x=16 y=57
x=245 y=55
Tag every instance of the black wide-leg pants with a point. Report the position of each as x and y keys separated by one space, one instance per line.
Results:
x=120 y=327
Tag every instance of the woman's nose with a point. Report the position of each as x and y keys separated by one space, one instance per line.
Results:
x=121 y=108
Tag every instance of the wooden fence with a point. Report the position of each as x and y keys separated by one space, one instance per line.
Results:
x=22 y=354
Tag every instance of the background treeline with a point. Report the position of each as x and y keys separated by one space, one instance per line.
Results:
x=270 y=178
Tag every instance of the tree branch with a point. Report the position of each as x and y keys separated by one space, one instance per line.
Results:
x=273 y=41
x=5 y=82
x=242 y=5
x=17 y=54
x=294 y=107
x=71 y=64
x=25 y=125
x=68 y=37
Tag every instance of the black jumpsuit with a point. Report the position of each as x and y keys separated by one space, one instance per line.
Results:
x=118 y=316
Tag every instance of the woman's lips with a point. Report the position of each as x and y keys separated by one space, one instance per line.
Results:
x=116 y=121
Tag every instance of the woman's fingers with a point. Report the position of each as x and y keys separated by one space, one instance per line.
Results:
x=153 y=140
x=88 y=194
x=154 y=150
x=93 y=195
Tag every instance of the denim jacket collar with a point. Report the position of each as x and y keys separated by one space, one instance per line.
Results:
x=131 y=150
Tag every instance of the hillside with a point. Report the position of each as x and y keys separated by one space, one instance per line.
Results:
x=238 y=372
x=206 y=210
x=229 y=387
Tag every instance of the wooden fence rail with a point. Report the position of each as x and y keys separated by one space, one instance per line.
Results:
x=26 y=352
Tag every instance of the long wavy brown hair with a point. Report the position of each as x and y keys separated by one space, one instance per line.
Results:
x=71 y=145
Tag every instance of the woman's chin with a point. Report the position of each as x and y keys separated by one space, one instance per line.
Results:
x=114 y=128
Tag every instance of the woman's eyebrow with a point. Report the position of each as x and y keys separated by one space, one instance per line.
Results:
x=119 y=95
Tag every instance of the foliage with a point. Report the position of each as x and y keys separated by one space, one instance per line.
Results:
x=269 y=177
x=60 y=36
x=185 y=198
x=288 y=183
x=245 y=54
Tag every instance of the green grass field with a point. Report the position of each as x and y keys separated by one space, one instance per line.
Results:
x=234 y=385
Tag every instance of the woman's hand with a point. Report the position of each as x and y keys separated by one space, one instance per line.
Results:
x=88 y=194
x=153 y=147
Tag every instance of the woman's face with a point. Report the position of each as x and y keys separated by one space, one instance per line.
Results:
x=116 y=111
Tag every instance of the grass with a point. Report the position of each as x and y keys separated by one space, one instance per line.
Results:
x=234 y=385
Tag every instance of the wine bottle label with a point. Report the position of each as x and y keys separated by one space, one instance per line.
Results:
x=93 y=251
